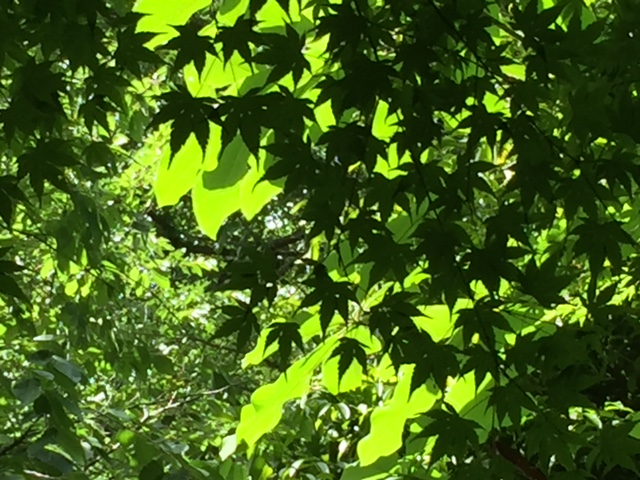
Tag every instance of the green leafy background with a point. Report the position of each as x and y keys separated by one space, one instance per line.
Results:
x=347 y=239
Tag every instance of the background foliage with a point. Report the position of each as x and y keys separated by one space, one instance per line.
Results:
x=349 y=239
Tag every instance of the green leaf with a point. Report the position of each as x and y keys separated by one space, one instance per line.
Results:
x=71 y=445
x=376 y=471
x=177 y=176
x=335 y=382
x=68 y=369
x=163 y=364
x=388 y=421
x=27 y=390
x=220 y=187
x=126 y=437
x=144 y=451
x=152 y=471
x=9 y=287
x=265 y=410
x=229 y=445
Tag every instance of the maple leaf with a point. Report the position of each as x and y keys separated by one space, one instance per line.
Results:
x=286 y=334
x=131 y=52
x=190 y=47
x=240 y=320
x=617 y=447
x=348 y=351
x=10 y=196
x=454 y=435
x=238 y=39
x=543 y=282
x=332 y=296
x=187 y=115
x=284 y=53
x=47 y=161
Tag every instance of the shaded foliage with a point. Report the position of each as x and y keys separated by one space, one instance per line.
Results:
x=355 y=239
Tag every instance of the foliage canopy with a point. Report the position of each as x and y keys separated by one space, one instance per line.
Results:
x=350 y=239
